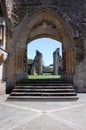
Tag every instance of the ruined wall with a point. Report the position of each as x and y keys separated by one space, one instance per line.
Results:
x=73 y=12
x=3 y=53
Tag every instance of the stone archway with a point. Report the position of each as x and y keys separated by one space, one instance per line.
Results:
x=43 y=23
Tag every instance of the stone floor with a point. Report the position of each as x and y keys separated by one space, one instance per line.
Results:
x=43 y=115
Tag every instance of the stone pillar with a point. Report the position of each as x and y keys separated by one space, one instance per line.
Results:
x=56 y=61
x=20 y=63
x=37 y=66
x=3 y=56
x=38 y=60
x=40 y=66
x=64 y=60
x=80 y=68
x=2 y=83
x=33 y=69
x=68 y=60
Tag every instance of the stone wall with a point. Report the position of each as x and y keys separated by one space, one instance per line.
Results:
x=80 y=77
x=69 y=28
x=2 y=87
x=3 y=54
x=37 y=66
x=72 y=11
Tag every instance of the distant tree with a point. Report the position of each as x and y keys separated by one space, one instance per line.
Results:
x=30 y=61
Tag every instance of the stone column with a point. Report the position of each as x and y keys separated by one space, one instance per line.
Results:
x=40 y=66
x=3 y=56
x=64 y=60
x=37 y=66
x=80 y=69
x=56 y=61
x=68 y=60
x=20 y=63
x=38 y=62
x=33 y=69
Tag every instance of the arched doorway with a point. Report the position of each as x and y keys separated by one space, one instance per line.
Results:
x=44 y=23
x=41 y=59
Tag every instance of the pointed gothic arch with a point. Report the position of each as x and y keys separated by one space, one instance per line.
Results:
x=43 y=23
x=44 y=19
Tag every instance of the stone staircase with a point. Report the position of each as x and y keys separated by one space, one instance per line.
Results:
x=43 y=88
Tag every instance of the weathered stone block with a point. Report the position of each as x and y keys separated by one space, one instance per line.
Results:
x=80 y=77
x=2 y=88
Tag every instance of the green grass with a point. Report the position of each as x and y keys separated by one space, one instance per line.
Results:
x=44 y=76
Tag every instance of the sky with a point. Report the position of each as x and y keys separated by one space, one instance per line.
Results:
x=46 y=46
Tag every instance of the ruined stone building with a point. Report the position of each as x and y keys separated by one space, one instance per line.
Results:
x=57 y=62
x=36 y=67
x=22 y=21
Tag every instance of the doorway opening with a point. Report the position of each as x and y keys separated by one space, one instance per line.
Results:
x=44 y=58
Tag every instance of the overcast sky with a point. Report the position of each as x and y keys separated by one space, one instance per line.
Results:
x=46 y=46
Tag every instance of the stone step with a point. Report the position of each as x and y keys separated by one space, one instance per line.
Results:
x=42 y=94
x=43 y=90
x=44 y=87
x=52 y=82
x=44 y=84
x=42 y=97
x=44 y=80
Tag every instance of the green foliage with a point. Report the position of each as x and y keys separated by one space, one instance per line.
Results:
x=30 y=61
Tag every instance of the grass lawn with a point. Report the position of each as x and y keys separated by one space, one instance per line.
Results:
x=44 y=76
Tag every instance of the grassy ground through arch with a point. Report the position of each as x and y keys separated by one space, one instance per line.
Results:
x=44 y=76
